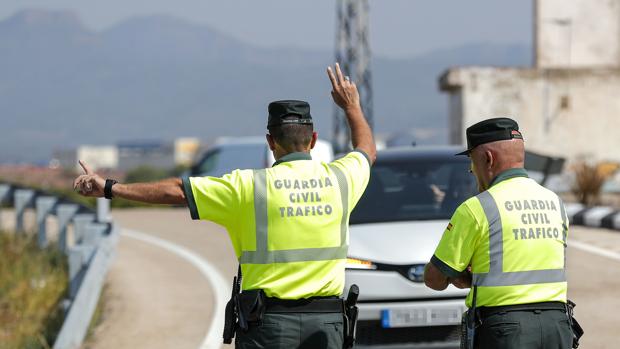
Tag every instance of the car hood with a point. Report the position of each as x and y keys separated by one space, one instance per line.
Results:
x=409 y=242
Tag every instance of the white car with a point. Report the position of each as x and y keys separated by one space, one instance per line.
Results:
x=229 y=154
x=394 y=231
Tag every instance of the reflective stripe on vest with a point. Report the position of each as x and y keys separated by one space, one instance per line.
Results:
x=262 y=255
x=564 y=226
x=496 y=276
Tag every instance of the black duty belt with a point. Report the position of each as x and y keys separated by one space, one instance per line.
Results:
x=488 y=311
x=309 y=305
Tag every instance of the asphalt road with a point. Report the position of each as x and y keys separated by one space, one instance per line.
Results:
x=594 y=285
x=157 y=298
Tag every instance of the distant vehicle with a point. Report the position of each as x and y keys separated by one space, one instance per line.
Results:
x=394 y=230
x=229 y=154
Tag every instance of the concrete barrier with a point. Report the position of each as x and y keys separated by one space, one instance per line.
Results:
x=595 y=217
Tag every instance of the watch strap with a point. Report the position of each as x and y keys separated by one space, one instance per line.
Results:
x=107 y=189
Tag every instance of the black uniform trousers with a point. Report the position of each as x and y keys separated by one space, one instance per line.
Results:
x=294 y=331
x=525 y=329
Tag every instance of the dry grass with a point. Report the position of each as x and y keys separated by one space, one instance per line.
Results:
x=33 y=282
x=589 y=180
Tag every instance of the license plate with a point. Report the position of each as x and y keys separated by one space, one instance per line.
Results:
x=417 y=317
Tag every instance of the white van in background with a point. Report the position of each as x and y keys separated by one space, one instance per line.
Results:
x=229 y=154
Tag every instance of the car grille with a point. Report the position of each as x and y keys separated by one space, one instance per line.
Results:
x=371 y=333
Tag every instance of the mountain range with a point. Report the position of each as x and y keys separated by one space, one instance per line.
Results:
x=160 y=77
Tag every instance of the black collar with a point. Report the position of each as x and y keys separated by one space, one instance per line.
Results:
x=510 y=173
x=293 y=157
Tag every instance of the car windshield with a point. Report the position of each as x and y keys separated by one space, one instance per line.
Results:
x=414 y=190
x=228 y=159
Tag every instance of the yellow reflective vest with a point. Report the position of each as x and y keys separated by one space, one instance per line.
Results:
x=289 y=223
x=514 y=238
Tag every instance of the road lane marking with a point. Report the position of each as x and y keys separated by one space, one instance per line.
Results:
x=213 y=338
x=593 y=249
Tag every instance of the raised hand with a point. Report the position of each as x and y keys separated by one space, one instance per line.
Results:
x=344 y=91
x=89 y=184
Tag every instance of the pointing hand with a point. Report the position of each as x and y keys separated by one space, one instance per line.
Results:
x=89 y=184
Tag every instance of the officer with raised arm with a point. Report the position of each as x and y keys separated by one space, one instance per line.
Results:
x=508 y=242
x=288 y=224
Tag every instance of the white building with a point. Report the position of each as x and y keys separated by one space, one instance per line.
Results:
x=186 y=150
x=98 y=157
x=131 y=154
x=568 y=104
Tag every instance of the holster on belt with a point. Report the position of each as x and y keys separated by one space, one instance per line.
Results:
x=469 y=322
x=241 y=309
x=350 y=317
x=230 y=322
x=232 y=311
x=574 y=325
x=251 y=306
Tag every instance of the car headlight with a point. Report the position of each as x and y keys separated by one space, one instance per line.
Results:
x=354 y=263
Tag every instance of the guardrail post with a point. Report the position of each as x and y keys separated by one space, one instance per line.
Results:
x=80 y=221
x=79 y=257
x=22 y=198
x=94 y=233
x=5 y=192
x=103 y=210
x=44 y=206
x=64 y=212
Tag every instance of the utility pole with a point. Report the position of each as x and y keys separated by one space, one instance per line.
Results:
x=353 y=53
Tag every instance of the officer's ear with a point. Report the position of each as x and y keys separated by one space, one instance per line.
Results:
x=489 y=159
x=271 y=142
x=315 y=136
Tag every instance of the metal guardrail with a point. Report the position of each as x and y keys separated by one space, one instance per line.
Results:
x=95 y=236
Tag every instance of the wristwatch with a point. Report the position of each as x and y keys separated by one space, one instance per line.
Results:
x=107 y=189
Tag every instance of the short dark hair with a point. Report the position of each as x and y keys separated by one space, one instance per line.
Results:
x=292 y=137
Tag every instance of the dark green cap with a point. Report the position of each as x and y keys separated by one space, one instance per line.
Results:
x=491 y=130
x=279 y=110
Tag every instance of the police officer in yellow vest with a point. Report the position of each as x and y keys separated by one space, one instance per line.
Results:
x=509 y=243
x=288 y=224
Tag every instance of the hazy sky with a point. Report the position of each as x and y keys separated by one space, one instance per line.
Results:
x=399 y=28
